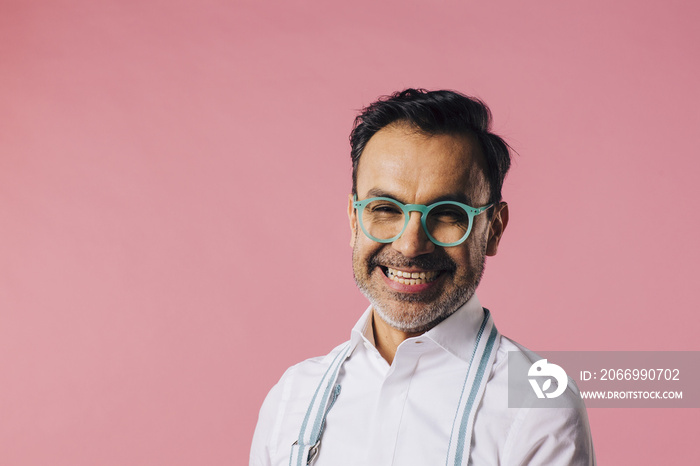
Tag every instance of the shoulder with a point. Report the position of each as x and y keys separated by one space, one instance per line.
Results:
x=312 y=369
x=299 y=377
x=536 y=433
x=286 y=404
x=513 y=358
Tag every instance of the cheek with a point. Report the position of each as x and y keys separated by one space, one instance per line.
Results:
x=468 y=255
x=364 y=250
x=360 y=249
x=478 y=238
x=462 y=259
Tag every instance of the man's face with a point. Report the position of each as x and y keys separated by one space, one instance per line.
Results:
x=415 y=168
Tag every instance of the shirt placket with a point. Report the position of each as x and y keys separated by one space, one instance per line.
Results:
x=391 y=402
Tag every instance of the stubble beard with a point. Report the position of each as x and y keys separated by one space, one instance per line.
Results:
x=412 y=317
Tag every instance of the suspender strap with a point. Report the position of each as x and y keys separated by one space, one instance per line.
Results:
x=472 y=391
x=305 y=449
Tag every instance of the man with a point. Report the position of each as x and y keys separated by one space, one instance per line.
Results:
x=423 y=379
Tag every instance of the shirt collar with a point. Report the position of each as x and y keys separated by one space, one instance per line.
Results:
x=456 y=334
x=362 y=331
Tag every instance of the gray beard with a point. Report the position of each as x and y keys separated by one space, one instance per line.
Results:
x=430 y=314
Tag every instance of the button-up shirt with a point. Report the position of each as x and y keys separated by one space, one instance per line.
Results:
x=402 y=414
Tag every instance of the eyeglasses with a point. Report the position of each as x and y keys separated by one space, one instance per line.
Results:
x=446 y=223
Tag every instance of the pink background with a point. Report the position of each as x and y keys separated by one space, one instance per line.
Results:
x=156 y=279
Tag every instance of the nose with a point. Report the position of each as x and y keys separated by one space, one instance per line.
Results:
x=414 y=241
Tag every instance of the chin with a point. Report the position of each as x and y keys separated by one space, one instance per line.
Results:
x=417 y=317
x=413 y=320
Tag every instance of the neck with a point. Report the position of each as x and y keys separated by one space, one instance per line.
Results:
x=386 y=338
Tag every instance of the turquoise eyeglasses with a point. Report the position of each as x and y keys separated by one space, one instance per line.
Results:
x=446 y=223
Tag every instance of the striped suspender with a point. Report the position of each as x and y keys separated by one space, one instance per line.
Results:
x=480 y=365
x=305 y=448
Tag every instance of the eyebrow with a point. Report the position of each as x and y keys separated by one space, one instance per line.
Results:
x=458 y=197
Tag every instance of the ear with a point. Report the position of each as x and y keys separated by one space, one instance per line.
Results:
x=352 y=217
x=499 y=221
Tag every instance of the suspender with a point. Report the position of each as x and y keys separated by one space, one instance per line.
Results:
x=305 y=448
x=480 y=365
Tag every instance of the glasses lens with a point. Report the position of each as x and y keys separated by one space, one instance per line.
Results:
x=383 y=219
x=447 y=223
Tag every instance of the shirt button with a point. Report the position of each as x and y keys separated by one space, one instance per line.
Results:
x=418 y=342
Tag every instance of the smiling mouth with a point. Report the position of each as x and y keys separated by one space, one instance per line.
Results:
x=410 y=278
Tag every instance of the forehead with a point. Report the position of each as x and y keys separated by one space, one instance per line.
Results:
x=418 y=168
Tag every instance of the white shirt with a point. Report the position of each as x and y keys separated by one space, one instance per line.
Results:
x=402 y=414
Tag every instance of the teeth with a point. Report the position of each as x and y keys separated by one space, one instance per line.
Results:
x=411 y=278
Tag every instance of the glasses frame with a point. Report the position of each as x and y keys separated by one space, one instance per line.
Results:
x=424 y=210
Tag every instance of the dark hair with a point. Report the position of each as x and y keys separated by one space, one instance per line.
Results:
x=434 y=112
